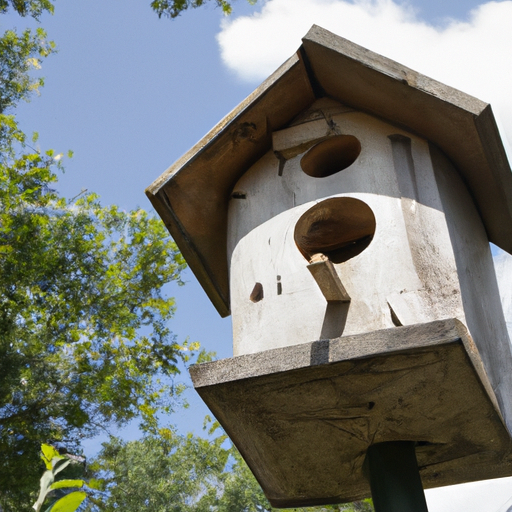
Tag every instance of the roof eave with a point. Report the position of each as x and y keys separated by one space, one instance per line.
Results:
x=193 y=194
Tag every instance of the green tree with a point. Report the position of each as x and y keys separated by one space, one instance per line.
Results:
x=32 y=8
x=167 y=8
x=185 y=474
x=84 y=340
x=19 y=54
x=161 y=473
x=84 y=337
x=173 y=8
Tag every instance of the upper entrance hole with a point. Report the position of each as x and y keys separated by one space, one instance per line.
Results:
x=339 y=227
x=331 y=156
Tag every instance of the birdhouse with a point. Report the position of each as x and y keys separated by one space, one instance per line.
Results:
x=342 y=215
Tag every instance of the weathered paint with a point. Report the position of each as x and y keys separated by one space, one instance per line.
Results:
x=429 y=258
x=409 y=265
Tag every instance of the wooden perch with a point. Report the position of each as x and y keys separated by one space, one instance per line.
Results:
x=325 y=275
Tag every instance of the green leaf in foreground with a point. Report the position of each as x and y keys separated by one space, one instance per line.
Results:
x=70 y=502
x=63 y=484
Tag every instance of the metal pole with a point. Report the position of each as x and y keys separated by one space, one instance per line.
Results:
x=394 y=477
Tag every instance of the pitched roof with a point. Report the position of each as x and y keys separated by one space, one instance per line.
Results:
x=192 y=195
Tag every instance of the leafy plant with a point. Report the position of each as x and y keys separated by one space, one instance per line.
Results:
x=65 y=495
x=169 y=471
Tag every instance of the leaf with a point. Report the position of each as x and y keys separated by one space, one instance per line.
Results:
x=32 y=61
x=95 y=483
x=70 y=502
x=61 y=484
x=48 y=454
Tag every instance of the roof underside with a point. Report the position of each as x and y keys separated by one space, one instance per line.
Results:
x=192 y=195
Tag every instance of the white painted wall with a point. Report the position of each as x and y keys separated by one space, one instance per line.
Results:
x=408 y=265
x=429 y=258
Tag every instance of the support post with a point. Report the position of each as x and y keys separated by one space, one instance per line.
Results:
x=394 y=477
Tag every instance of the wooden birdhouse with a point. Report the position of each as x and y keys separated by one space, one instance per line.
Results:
x=342 y=215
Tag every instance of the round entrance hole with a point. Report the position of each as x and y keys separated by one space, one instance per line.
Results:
x=340 y=228
x=331 y=156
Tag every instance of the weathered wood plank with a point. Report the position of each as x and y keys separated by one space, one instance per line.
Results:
x=304 y=416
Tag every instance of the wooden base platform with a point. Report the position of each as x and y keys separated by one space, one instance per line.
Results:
x=304 y=416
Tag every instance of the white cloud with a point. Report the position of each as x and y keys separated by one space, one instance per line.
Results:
x=473 y=56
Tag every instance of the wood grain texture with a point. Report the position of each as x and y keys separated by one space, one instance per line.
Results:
x=328 y=281
x=304 y=416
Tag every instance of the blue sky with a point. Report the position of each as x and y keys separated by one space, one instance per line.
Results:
x=130 y=93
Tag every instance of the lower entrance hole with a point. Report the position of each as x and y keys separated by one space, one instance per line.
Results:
x=339 y=227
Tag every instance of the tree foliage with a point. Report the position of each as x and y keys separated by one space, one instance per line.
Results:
x=161 y=473
x=185 y=474
x=173 y=8
x=19 y=54
x=84 y=340
x=32 y=8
